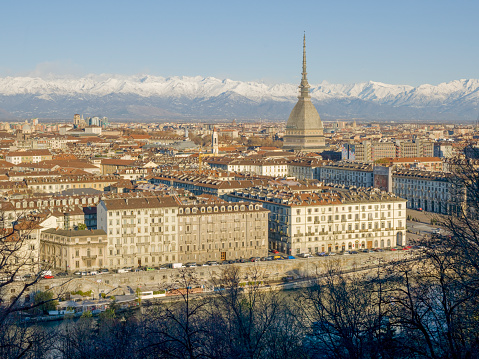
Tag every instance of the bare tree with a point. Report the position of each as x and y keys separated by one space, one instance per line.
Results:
x=255 y=322
x=175 y=329
x=19 y=276
x=434 y=304
x=348 y=316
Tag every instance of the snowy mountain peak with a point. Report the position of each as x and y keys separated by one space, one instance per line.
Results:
x=460 y=97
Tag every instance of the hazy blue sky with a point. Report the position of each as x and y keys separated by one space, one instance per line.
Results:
x=400 y=42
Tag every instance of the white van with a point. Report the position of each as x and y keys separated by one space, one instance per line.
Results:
x=124 y=270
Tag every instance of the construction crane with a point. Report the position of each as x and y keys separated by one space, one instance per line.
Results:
x=200 y=158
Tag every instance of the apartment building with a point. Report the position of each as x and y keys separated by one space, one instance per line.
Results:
x=154 y=230
x=74 y=250
x=428 y=191
x=199 y=184
x=218 y=230
x=59 y=184
x=141 y=231
x=32 y=156
x=21 y=245
x=370 y=151
x=259 y=166
x=305 y=168
x=348 y=174
x=330 y=221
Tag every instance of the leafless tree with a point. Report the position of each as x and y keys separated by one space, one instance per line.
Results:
x=434 y=304
x=255 y=322
x=348 y=315
x=19 y=276
x=175 y=329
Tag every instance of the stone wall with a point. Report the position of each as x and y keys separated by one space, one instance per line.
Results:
x=127 y=283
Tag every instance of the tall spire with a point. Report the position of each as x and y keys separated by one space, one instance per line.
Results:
x=304 y=86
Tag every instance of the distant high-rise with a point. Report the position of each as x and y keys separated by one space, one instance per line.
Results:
x=304 y=129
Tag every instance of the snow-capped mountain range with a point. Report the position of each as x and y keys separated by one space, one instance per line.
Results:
x=152 y=97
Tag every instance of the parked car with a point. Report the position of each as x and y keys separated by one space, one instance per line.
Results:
x=62 y=274
x=48 y=277
x=148 y=269
x=241 y=260
x=346 y=253
x=289 y=257
x=104 y=270
x=331 y=253
x=190 y=265
x=304 y=255
x=321 y=254
x=212 y=263
x=269 y=258
x=354 y=252
x=93 y=272
x=274 y=251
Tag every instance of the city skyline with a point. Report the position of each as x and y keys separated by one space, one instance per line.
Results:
x=409 y=43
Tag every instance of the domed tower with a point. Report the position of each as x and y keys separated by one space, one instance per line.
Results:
x=304 y=129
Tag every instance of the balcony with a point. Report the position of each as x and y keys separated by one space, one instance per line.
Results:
x=91 y=256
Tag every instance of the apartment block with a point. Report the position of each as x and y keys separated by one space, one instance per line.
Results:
x=330 y=220
x=155 y=230
x=74 y=250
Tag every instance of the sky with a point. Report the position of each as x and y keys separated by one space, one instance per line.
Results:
x=396 y=42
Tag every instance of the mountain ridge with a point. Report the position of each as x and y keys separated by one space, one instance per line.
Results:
x=208 y=97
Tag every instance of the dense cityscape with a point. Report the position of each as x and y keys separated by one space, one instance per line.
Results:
x=189 y=218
